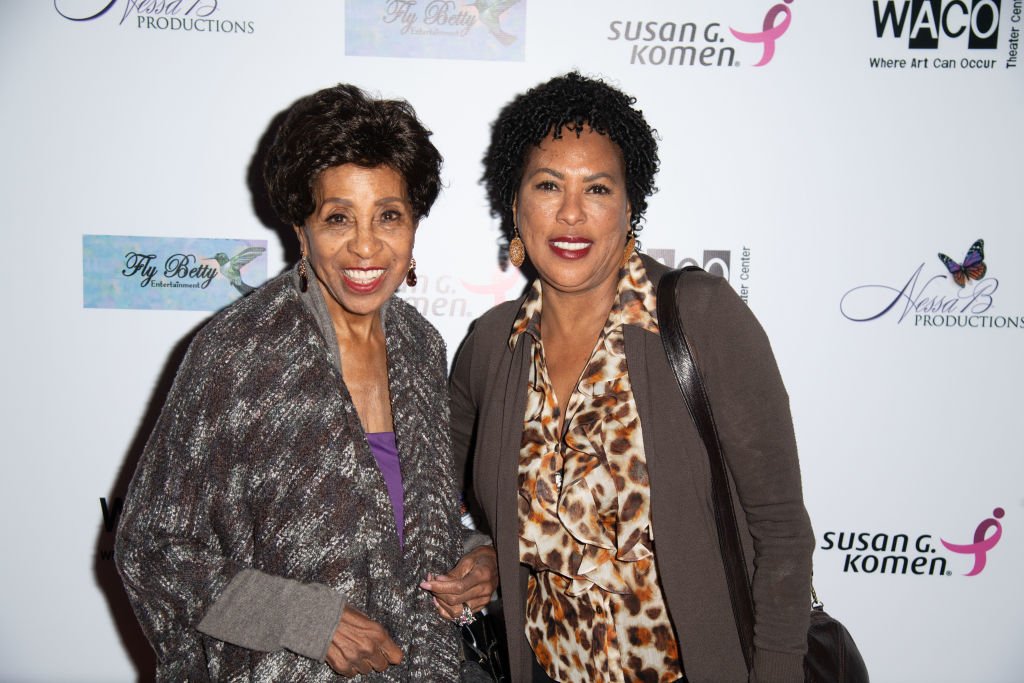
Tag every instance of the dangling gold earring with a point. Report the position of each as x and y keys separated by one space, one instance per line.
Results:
x=303 y=280
x=630 y=248
x=410 y=277
x=516 y=250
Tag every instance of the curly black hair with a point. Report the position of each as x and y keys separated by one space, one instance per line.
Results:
x=343 y=125
x=570 y=101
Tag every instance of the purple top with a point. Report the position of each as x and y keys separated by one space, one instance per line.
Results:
x=385 y=451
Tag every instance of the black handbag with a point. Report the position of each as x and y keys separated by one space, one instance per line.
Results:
x=832 y=656
x=482 y=651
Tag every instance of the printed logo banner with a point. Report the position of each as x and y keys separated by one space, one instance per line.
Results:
x=194 y=16
x=170 y=273
x=956 y=294
x=698 y=42
x=913 y=553
x=444 y=29
x=944 y=35
x=720 y=262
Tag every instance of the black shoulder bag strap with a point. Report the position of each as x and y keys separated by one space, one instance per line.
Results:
x=692 y=386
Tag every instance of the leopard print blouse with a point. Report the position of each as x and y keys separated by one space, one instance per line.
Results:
x=595 y=610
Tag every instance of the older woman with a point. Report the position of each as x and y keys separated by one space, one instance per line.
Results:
x=592 y=477
x=297 y=488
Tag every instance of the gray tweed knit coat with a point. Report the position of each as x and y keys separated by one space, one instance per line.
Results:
x=259 y=462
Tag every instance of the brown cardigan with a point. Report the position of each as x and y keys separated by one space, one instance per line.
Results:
x=751 y=408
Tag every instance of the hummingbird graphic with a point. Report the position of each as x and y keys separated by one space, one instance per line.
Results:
x=231 y=268
x=489 y=13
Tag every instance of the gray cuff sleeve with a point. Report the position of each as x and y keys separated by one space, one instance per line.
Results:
x=268 y=613
x=472 y=539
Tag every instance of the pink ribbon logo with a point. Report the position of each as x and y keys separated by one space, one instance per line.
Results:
x=498 y=286
x=770 y=32
x=981 y=545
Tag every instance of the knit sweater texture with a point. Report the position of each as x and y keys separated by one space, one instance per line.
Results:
x=258 y=474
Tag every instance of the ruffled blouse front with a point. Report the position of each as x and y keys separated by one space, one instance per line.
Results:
x=595 y=611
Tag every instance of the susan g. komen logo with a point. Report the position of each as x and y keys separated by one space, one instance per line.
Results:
x=983 y=542
x=772 y=29
x=960 y=293
x=910 y=553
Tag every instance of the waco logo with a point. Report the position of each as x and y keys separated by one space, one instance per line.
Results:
x=925 y=22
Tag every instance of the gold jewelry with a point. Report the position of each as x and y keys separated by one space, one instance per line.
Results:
x=630 y=248
x=516 y=250
x=303 y=280
x=410 y=277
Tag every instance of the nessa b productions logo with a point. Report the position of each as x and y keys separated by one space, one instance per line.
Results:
x=702 y=43
x=914 y=554
x=198 y=16
x=937 y=31
x=193 y=274
x=942 y=292
x=444 y=29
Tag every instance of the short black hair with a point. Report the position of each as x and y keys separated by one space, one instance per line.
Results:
x=343 y=125
x=572 y=101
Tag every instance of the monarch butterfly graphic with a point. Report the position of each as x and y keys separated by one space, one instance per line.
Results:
x=973 y=266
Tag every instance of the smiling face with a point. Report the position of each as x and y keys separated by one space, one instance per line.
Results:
x=359 y=239
x=573 y=212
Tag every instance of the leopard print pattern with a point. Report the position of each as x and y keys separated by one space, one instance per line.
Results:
x=595 y=611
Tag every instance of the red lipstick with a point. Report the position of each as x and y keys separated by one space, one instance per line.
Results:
x=570 y=248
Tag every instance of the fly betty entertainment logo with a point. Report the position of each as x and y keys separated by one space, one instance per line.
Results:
x=915 y=554
x=170 y=273
x=939 y=293
x=947 y=35
x=193 y=16
x=439 y=29
x=654 y=42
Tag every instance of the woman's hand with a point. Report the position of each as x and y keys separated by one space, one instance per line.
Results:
x=360 y=645
x=471 y=582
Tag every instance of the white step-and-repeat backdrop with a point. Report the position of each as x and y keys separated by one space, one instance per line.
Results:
x=820 y=155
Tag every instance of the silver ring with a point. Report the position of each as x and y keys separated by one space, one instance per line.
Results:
x=466 y=618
